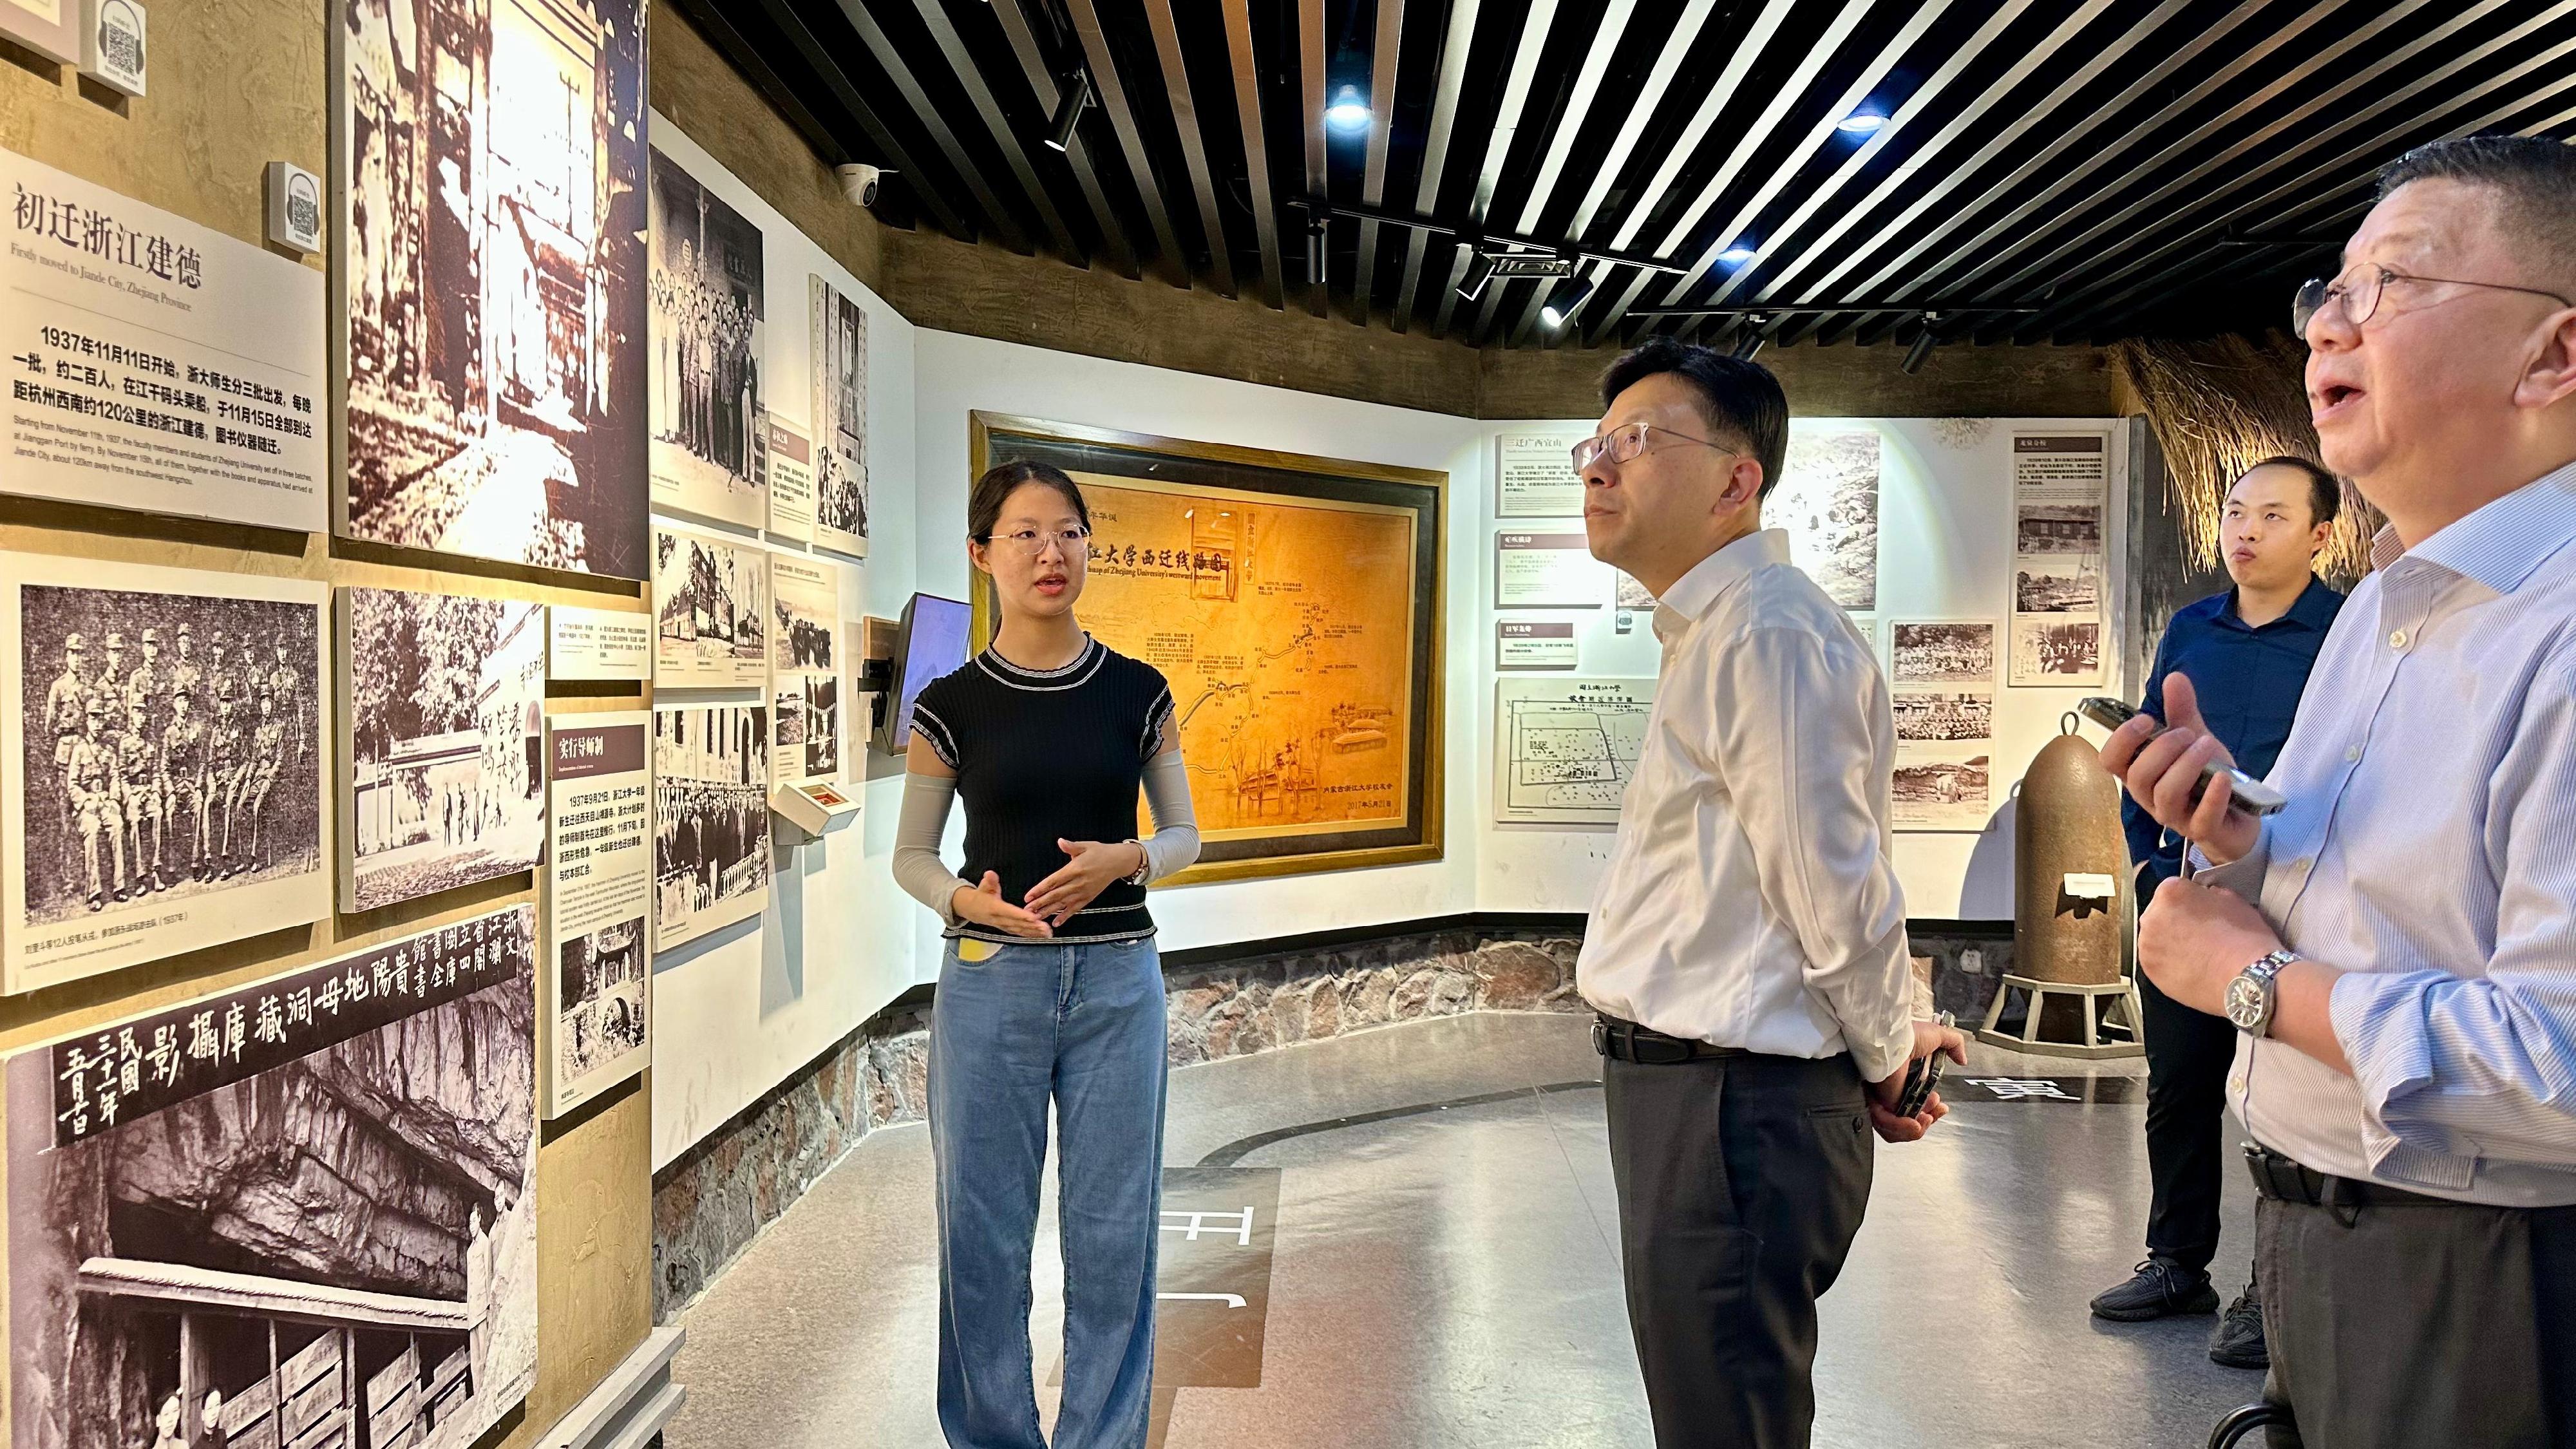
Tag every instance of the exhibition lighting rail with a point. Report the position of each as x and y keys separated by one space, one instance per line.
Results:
x=1525 y=257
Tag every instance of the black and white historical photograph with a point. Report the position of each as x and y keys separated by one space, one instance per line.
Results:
x=840 y=371
x=711 y=862
x=167 y=783
x=804 y=669
x=2049 y=650
x=1942 y=787
x=711 y=611
x=600 y=990
x=1942 y=653
x=1827 y=499
x=492 y=167
x=445 y=780
x=1946 y=716
x=708 y=428
x=2058 y=528
x=2057 y=585
x=299 y=1212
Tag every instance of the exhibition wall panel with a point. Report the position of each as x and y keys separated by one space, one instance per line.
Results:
x=738 y=1010
x=959 y=375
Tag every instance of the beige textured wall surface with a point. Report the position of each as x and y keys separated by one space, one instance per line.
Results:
x=236 y=84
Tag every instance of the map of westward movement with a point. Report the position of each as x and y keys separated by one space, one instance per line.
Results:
x=1566 y=747
x=1286 y=630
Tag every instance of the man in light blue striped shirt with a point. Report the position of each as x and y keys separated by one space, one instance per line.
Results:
x=2398 y=946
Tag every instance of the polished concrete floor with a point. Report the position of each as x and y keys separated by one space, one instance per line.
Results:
x=1445 y=1273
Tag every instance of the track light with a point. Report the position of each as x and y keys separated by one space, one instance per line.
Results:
x=1749 y=344
x=1480 y=270
x=1921 y=351
x=1347 y=112
x=1068 y=110
x=1860 y=123
x=1316 y=221
x=1568 y=299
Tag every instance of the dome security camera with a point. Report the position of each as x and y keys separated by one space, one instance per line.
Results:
x=860 y=182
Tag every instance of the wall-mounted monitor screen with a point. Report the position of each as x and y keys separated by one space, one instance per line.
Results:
x=929 y=641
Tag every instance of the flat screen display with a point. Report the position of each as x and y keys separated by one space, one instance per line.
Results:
x=930 y=642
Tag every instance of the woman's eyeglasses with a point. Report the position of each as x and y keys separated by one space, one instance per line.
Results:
x=1031 y=542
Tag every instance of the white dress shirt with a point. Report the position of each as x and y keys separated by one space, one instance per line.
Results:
x=1750 y=901
x=2429 y=848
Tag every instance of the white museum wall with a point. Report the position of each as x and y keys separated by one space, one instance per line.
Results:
x=738 y=1011
x=1945 y=551
x=959 y=375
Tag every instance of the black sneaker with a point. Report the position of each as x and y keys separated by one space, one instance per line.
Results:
x=2238 y=1340
x=2159 y=1290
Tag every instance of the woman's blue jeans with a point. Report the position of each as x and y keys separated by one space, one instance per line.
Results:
x=1083 y=1026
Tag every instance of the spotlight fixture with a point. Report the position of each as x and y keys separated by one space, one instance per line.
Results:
x=1860 y=123
x=1068 y=109
x=1347 y=112
x=1316 y=221
x=1736 y=255
x=1750 y=344
x=1480 y=270
x=1567 y=301
x=1921 y=351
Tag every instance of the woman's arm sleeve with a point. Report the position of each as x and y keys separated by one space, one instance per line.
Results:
x=1176 y=829
x=917 y=866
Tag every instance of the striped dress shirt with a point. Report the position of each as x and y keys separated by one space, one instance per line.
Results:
x=2429 y=850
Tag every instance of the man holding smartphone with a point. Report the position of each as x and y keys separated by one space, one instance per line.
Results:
x=2247 y=653
x=2397 y=946
x=1747 y=952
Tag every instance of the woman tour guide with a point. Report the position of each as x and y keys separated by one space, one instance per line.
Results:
x=1051 y=988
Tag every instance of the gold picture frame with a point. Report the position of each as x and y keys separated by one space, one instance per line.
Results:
x=1400 y=511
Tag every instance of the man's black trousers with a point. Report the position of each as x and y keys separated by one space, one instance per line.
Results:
x=1741 y=1183
x=2189 y=1054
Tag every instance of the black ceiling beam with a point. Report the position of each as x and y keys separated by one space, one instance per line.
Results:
x=1526 y=56
x=890 y=61
x=2368 y=154
x=1256 y=155
x=1101 y=64
x=1185 y=121
x=1739 y=154
x=1383 y=59
x=961 y=63
x=791 y=27
x=1044 y=84
x=1454 y=46
x=1642 y=106
x=1611 y=26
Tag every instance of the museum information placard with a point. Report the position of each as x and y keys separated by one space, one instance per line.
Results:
x=1533 y=644
x=1534 y=473
x=593 y=644
x=1548 y=571
x=804 y=670
x=594 y=994
x=157 y=364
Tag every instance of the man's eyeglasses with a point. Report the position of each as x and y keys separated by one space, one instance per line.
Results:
x=1031 y=542
x=1627 y=443
x=2359 y=289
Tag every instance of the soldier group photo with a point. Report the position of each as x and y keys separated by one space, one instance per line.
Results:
x=177 y=749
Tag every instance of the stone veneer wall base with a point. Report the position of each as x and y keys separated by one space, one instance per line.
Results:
x=711 y=1203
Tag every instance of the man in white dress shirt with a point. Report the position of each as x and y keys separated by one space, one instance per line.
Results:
x=2398 y=946
x=1747 y=952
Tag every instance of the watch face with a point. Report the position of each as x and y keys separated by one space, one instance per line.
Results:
x=2246 y=1003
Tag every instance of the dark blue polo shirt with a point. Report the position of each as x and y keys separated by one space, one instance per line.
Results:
x=2248 y=680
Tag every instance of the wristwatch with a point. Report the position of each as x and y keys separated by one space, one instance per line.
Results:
x=2252 y=995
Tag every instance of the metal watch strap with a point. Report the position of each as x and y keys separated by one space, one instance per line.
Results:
x=2266 y=971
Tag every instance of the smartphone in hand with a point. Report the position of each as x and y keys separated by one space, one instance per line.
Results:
x=2252 y=795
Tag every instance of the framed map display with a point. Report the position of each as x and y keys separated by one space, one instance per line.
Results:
x=1564 y=749
x=1294 y=603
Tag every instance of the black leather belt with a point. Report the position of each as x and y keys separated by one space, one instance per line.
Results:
x=1625 y=1041
x=2282 y=1179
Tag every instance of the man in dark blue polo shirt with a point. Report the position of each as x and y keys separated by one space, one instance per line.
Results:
x=2247 y=653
